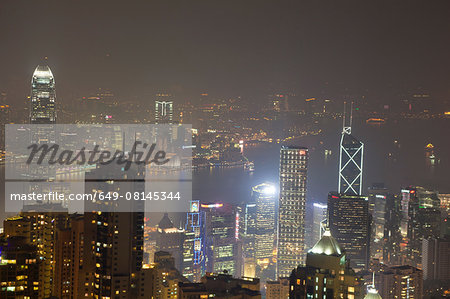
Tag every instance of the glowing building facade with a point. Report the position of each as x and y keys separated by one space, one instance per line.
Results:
x=421 y=218
x=257 y=229
x=43 y=96
x=194 y=243
x=351 y=153
x=223 y=248
x=292 y=209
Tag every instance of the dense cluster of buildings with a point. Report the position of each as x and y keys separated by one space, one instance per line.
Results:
x=376 y=245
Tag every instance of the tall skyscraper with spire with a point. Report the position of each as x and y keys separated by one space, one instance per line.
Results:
x=292 y=209
x=43 y=96
x=351 y=152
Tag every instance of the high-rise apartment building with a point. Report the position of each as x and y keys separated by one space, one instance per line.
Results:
x=349 y=222
x=292 y=209
x=402 y=282
x=44 y=223
x=113 y=240
x=69 y=243
x=19 y=269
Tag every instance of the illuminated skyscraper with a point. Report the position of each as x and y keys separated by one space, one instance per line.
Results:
x=378 y=196
x=247 y=232
x=194 y=243
x=163 y=109
x=264 y=197
x=222 y=244
x=43 y=96
x=257 y=228
x=349 y=222
x=351 y=152
x=292 y=209
x=421 y=218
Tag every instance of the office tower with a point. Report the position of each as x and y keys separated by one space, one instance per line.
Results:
x=349 y=222
x=327 y=273
x=292 y=206
x=421 y=218
x=223 y=248
x=319 y=221
x=392 y=236
x=377 y=195
x=221 y=285
x=43 y=96
x=436 y=258
x=170 y=239
x=247 y=232
x=163 y=109
x=278 y=289
x=400 y=282
x=113 y=241
x=19 y=269
x=351 y=152
x=264 y=197
x=257 y=231
x=69 y=242
x=194 y=258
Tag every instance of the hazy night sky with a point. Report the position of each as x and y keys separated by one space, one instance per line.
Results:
x=227 y=47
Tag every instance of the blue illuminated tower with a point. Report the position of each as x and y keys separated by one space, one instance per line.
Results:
x=351 y=152
x=194 y=244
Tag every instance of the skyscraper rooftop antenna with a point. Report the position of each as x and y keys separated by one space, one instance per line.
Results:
x=343 y=118
x=347 y=129
x=351 y=114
